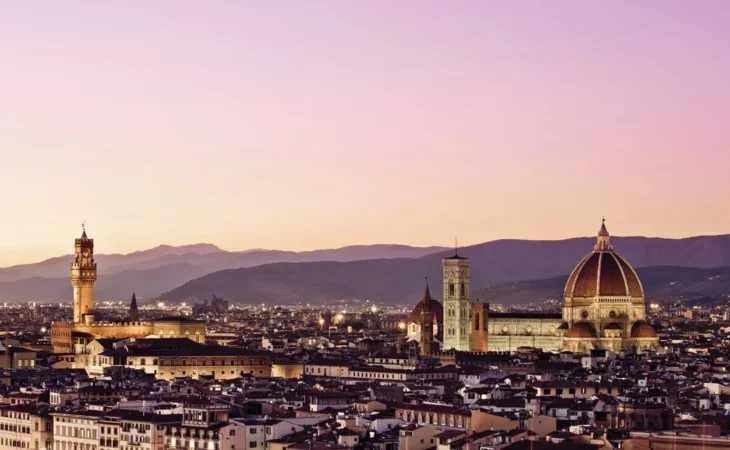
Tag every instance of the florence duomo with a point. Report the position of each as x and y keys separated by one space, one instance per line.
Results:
x=603 y=309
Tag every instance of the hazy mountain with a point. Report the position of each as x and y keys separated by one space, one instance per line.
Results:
x=660 y=282
x=210 y=259
x=359 y=271
x=402 y=280
x=399 y=281
x=160 y=269
x=59 y=266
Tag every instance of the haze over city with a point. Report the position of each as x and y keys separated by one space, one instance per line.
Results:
x=305 y=125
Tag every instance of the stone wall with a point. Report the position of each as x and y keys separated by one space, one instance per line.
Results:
x=508 y=334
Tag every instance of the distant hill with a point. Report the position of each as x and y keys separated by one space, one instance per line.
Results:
x=210 y=259
x=157 y=270
x=391 y=273
x=401 y=281
x=660 y=283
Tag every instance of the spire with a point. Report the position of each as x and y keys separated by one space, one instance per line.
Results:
x=604 y=241
x=426 y=299
x=133 y=311
x=83 y=230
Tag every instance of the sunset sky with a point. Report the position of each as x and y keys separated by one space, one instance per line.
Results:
x=312 y=124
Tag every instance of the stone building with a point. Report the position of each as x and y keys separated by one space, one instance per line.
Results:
x=73 y=336
x=603 y=308
x=26 y=426
x=222 y=363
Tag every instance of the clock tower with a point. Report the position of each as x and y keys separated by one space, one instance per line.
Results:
x=83 y=279
x=457 y=307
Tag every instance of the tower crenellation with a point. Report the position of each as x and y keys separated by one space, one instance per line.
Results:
x=83 y=279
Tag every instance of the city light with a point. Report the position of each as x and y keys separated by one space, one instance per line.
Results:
x=402 y=325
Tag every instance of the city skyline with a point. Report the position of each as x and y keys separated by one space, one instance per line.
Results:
x=306 y=126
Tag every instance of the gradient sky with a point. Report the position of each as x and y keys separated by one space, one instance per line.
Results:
x=311 y=124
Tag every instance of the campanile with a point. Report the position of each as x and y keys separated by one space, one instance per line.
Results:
x=83 y=279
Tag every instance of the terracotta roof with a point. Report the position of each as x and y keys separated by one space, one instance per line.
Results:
x=436 y=308
x=642 y=330
x=616 y=278
x=581 y=330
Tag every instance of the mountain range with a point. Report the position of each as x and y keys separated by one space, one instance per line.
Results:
x=402 y=280
x=383 y=273
x=150 y=272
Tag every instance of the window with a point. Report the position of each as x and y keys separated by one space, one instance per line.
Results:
x=476 y=322
x=547 y=391
x=571 y=391
x=559 y=392
x=463 y=289
x=252 y=431
x=232 y=433
x=451 y=289
x=252 y=444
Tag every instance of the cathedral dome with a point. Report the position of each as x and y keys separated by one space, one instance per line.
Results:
x=642 y=330
x=603 y=273
x=581 y=330
x=436 y=308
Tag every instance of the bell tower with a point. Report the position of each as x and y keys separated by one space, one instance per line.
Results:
x=83 y=279
x=427 y=324
x=457 y=307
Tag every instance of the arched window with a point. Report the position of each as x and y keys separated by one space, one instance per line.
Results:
x=476 y=321
x=463 y=289
x=143 y=362
x=451 y=289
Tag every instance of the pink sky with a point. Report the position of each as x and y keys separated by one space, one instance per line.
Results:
x=300 y=125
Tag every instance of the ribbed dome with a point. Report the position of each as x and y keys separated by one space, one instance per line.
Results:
x=581 y=330
x=603 y=273
x=642 y=330
x=436 y=308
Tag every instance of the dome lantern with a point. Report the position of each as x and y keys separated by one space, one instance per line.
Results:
x=604 y=239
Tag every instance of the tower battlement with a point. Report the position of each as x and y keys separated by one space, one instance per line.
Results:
x=83 y=279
